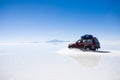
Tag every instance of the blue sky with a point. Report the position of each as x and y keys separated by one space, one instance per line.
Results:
x=41 y=20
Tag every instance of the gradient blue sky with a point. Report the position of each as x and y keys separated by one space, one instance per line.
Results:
x=41 y=20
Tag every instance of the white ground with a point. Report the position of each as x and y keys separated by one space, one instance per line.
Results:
x=46 y=61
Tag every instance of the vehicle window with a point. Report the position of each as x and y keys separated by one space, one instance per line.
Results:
x=89 y=40
x=78 y=41
x=96 y=40
x=84 y=40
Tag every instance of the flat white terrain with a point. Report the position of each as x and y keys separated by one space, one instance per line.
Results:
x=47 y=61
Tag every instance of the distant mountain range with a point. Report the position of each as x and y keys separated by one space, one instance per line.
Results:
x=50 y=41
x=55 y=40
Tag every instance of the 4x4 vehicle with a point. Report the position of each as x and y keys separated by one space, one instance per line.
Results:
x=86 y=43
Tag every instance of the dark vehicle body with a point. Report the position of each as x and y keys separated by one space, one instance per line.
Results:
x=86 y=43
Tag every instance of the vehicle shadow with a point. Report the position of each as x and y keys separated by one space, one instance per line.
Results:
x=102 y=51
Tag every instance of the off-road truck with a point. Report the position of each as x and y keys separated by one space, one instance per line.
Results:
x=86 y=43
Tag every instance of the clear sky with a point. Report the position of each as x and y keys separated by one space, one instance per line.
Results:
x=39 y=20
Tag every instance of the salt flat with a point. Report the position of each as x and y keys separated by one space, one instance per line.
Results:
x=46 y=61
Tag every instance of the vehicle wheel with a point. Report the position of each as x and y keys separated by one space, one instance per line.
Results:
x=69 y=47
x=82 y=49
x=94 y=49
x=87 y=48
